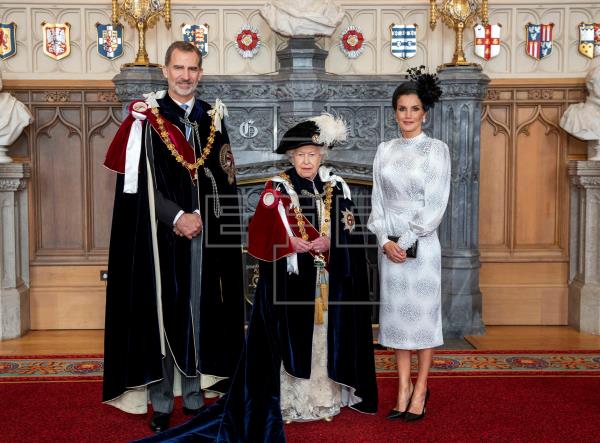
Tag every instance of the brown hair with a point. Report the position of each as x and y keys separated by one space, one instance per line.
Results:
x=406 y=88
x=185 y=47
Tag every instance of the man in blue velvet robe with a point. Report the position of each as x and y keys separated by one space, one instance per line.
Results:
x=174 y=307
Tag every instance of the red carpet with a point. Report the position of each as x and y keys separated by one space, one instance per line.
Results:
x=461 y=409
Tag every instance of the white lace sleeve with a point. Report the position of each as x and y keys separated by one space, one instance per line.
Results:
x=437 y=190
x=376 y=223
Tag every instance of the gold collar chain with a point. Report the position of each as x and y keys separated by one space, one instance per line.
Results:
x=164 y=135
x=326 y=215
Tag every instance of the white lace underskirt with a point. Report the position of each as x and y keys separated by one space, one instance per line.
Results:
x=314 y=398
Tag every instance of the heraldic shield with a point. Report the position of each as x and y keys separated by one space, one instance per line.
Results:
x=487 y=40
x=57 y=40
x=404 y=41
x=589 y=39
x=110 y=41
x=539 y=40
x=198 y=35
x=8 y=40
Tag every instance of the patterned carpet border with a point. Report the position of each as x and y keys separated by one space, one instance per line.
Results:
x=445 y=363
x=51 y=368
x=498 y=363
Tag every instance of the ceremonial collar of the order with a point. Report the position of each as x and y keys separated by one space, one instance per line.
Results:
x=123 y=155
x=325 y=175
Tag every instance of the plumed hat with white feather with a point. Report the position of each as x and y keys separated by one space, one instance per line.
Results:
x=322 y=130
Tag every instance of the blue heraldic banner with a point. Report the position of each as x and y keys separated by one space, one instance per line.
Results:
x=404 y=41
x=110 y=41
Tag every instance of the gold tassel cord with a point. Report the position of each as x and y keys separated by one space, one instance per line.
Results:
x=319 y=310
x=325 y=295
x=322 y=301
x=324 y=290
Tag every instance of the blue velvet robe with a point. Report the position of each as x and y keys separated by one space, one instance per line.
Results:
x=132 y=356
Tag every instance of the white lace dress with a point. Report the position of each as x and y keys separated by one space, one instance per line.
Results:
x=314 y=398
x=411 y=184
x=318 y=397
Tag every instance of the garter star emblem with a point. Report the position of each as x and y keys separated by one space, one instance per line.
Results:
x=8 y=42
x=351 y=42
x=248 y=41
x=57 y=40
x=227 y=162
x=348 y=220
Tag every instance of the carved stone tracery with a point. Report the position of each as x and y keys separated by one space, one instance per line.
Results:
x=493 y=94
x=12 y=184
x=538 y=93
x=586 y=182
x=464 y=90
x=108 y=97
x=57 y=96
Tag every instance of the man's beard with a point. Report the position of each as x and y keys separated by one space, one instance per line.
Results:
x=185 y=88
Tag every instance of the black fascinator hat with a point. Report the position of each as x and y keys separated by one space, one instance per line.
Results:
x=323 y=130
x=422 y=83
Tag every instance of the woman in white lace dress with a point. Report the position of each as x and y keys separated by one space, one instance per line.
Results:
x=411 y=184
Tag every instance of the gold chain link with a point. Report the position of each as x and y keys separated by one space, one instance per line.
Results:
x=164 y=135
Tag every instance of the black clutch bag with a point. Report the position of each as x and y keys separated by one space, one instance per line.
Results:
x=410 y=252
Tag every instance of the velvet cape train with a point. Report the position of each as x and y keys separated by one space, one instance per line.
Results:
x=132 y=355
x=280 y=332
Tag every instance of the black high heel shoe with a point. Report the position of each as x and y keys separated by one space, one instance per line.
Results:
x=394 y=414
x=409 y=416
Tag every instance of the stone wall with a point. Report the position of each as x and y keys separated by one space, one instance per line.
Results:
x=225 y=19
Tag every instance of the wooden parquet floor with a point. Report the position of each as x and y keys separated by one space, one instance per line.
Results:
x=555 y=338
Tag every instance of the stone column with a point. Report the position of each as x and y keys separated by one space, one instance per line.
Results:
x=457 y=122
x=302 y=84
x=584 y=275
x=14 y=250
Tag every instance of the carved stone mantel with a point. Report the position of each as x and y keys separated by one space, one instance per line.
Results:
x=584 y=272
x=14 y=250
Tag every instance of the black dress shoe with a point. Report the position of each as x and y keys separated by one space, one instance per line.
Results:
x=160 y=422
x=409 y=416
x=189 y=411
x=395 y=414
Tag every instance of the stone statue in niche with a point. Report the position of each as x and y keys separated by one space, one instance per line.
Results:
x=15 y=116
x=583 y=119
x=302 y=18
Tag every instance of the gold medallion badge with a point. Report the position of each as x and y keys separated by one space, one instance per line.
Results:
x=227 y=162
